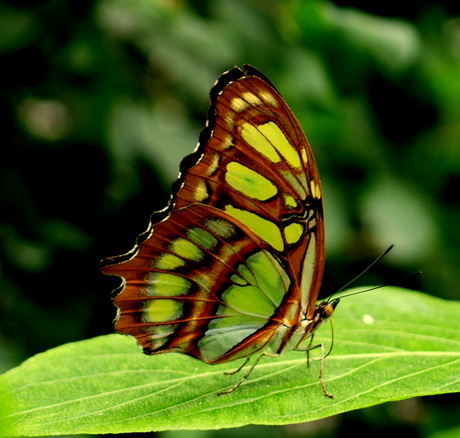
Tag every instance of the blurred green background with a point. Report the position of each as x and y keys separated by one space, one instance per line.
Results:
x=100 y=101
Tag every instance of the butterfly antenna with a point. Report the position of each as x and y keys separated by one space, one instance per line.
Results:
x=380 y=257
x=407 y=277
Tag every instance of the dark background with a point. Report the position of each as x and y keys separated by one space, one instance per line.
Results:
x=99 y=101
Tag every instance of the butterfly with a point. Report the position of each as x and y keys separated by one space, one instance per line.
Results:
x=232 y=267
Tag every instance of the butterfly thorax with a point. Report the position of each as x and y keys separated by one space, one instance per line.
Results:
x=291 y=337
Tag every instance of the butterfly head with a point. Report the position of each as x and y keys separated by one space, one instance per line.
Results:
x=326 y=308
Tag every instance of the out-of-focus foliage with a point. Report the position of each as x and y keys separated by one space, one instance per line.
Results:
x=101 y=99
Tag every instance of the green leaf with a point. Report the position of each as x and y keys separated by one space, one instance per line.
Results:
x=388 y=345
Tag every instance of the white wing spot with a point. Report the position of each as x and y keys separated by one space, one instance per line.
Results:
x=268 y=98
x=238 y=104
x=252 y=98
x=315 y=190
x=227 y=142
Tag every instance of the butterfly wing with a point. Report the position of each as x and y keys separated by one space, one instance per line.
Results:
x=239 y=252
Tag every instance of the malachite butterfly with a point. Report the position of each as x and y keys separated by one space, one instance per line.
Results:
x=233 y=266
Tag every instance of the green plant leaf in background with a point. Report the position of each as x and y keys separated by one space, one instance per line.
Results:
x=389 y=345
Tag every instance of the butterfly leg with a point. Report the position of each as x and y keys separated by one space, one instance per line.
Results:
x=228 y=391
x=307 y=350
x=229 y=373
x=321 y=369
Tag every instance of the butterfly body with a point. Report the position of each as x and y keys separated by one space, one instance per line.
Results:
x=235 y=264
